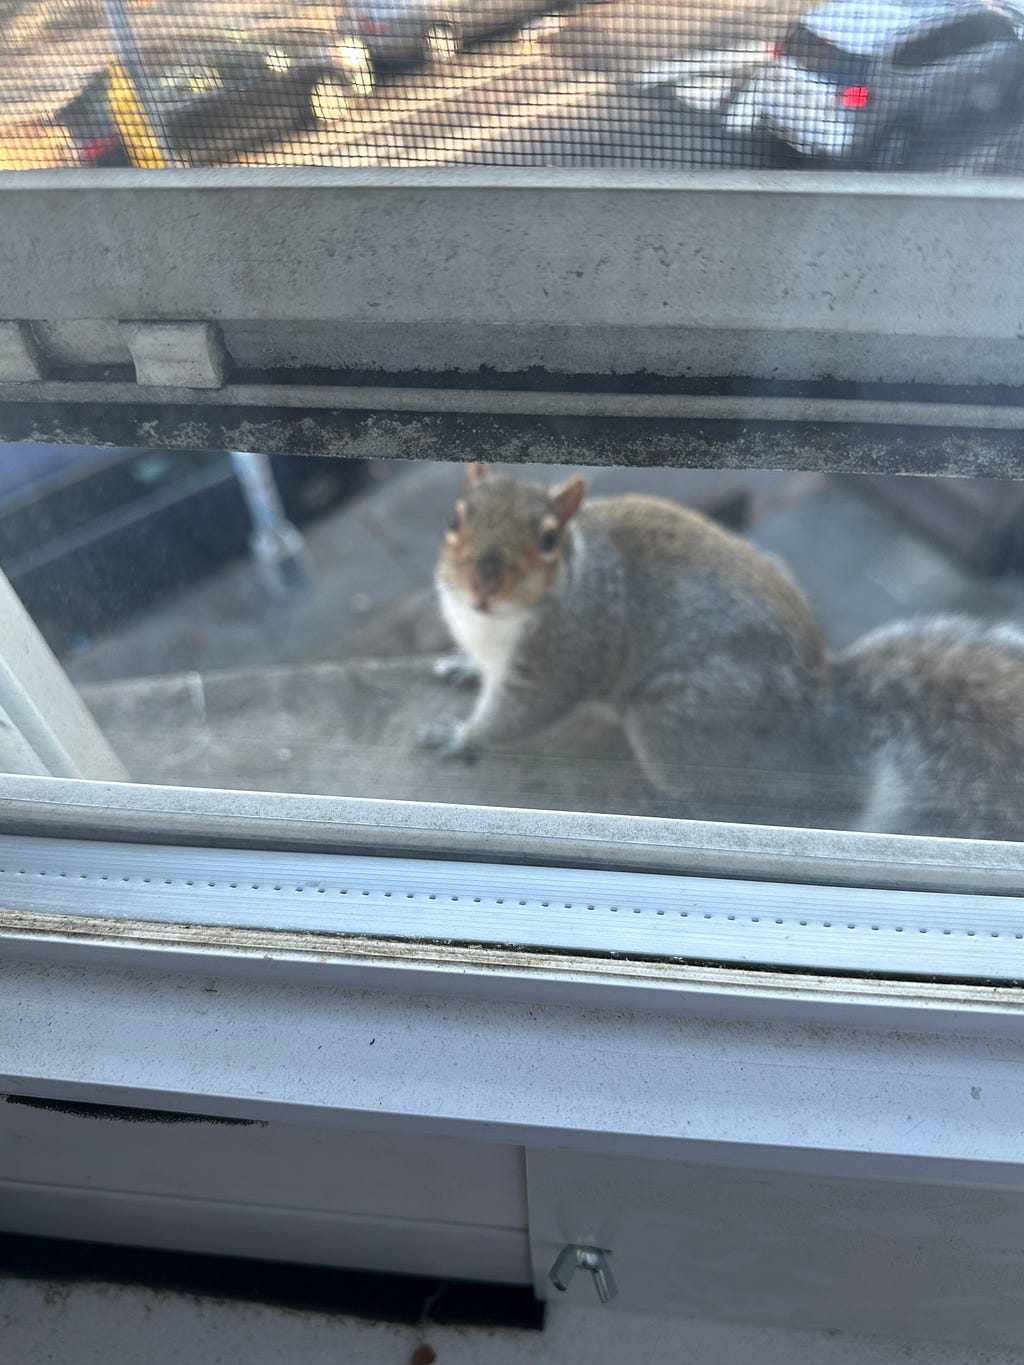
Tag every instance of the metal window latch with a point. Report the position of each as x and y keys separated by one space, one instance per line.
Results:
x=572 y=1258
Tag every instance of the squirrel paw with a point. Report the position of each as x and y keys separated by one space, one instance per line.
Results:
x=447 y=738
x=457 y=669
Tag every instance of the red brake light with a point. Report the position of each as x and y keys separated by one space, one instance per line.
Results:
x=776 y=50
x=95 y=148
x=854 y=96
x=365 y=25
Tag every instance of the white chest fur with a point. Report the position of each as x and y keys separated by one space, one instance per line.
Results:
x=489 y=637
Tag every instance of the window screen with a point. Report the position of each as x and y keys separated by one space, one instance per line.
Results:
x=818 y=56
x=953 y=40
x=758 y=647
x=411 y=83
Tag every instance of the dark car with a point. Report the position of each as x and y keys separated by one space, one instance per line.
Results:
x=435 y=30
x=216 y=97
x=90 y=536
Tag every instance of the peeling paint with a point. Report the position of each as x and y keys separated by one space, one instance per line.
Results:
x=121 y=1114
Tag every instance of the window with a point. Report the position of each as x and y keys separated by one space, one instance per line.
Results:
x=954 y=40
x=324 y=666
x=530 y=84
x=189 y=731
x=217 y=648
x=642 y=934
x=824 y=58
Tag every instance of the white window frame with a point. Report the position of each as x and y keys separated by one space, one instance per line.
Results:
x=891 y=1079
x=771 y=276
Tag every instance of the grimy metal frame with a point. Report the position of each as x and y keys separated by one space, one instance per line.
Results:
x=601 y=317
x=754 y=319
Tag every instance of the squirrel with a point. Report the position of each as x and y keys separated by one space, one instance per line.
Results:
x=927 y=729
x=731 y=701
x=704 y=645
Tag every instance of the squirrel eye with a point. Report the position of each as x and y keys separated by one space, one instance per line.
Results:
x=548 y=540
x=455 y=524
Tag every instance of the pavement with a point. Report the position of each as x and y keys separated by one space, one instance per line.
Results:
x=324 y=691
x=579 y=92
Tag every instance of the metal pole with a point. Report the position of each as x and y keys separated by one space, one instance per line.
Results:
x=276 y=545
x=149 y=145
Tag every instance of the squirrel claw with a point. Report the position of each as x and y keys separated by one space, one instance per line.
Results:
x=457 y=669
x=446 y=739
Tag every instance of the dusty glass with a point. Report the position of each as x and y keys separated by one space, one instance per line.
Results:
x=747 y=646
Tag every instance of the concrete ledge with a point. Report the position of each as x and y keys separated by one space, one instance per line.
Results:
x=350 y=730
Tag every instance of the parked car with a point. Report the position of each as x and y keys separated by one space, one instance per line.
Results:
x=435 y=30
x=88 y=536
x=861 y=81
x=217 y=97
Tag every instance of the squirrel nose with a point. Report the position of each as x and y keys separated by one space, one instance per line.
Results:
x=488 y=572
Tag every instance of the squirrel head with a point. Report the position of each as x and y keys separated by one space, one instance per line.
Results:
x=506 y=540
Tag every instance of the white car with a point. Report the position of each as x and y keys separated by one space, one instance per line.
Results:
x=862 y=82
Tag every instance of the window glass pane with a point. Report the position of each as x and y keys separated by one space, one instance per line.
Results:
x=762 y=647
x=751 y=647
x=553 y=83
x=953 y=40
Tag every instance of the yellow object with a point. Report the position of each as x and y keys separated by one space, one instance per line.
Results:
x=137 y=133
x=30 y=147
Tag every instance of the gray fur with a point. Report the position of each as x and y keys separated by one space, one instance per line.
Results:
x=701 y=643
x=710 y=656
x=929 y=728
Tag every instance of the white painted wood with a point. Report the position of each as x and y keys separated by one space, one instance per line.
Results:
x=794 y=1251
x=285 y=1167
x=399 y=1246
x=913 y=1095
x=41 y=703
x=833 y=1146
x=281 y=1191
x=16 y=753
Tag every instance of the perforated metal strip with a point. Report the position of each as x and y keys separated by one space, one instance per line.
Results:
x=810 y=927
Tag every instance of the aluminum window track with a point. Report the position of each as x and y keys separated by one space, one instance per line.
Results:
x=629 y=914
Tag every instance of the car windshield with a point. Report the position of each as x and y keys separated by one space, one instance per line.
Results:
x=817 y=55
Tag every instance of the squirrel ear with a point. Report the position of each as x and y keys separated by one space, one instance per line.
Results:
x=566 y=500
x=474 y=473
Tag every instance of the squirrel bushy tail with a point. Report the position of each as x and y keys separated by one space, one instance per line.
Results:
x=709 y=653
x=927 y=726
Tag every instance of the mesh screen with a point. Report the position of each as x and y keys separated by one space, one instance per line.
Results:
x=659 y=84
